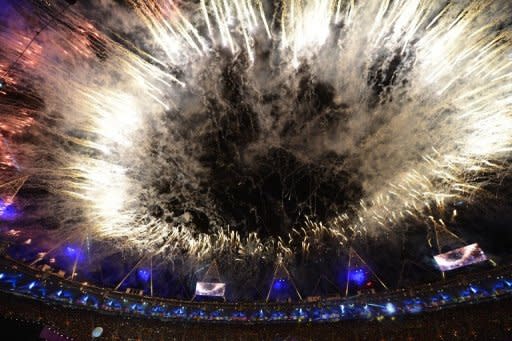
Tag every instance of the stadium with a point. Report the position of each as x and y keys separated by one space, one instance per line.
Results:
x=255 y=169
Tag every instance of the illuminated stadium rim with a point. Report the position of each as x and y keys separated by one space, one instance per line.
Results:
x=19 y=279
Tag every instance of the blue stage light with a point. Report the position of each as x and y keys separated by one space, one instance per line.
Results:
x=158 y=309
x=260 y=314
x=179 y=311
x=390 y=308
x=31 y=285
x=2 y=275
x=444 y=296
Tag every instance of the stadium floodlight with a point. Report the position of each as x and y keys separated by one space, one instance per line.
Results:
x=390 y=308
x=96 y=332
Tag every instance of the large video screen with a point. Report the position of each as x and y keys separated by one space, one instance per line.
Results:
x=467 y=255
x=210 y=289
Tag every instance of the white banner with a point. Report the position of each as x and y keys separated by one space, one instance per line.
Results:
x=467 y=255
x=210 y=289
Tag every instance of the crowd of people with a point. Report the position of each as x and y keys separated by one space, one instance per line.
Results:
x=485 y=321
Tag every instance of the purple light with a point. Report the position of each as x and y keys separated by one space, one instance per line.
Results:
x=7 y=210
x=144 y=274
x=357 y=276
x=280 y=284
x=73 y=252
x=70 y=251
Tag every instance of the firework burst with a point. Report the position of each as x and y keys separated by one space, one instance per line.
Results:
x=420 y=108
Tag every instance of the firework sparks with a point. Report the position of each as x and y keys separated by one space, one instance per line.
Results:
x=423 y=132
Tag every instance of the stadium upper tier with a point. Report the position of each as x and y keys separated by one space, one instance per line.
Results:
x=20 y=279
